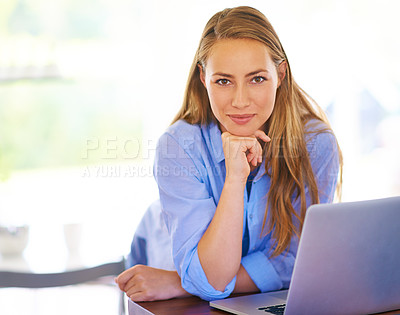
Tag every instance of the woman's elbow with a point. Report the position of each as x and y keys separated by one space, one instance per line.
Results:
x=219 y=284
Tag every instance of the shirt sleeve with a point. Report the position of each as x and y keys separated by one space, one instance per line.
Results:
x=270 y=274
x=188 y=209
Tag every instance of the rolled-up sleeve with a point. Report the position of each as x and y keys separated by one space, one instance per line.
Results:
x=188 y=209
x=271 y=274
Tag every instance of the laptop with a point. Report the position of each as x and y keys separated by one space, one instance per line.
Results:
x=348 y=262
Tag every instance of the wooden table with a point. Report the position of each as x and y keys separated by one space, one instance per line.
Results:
x=190 y=305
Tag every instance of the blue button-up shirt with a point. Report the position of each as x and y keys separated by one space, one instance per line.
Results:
x=190 y=172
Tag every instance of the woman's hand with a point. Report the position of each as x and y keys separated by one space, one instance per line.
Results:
x=144 y=283
x=241 y=153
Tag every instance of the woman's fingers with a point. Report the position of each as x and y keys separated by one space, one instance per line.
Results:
x=124 y=277
x=255 y=152
x=262 y=135
x=138 y=294
x=141 y=296
x=258 y=156
x=130 y=284
x=242 y=152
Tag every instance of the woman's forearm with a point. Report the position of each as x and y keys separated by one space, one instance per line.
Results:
x=220 y=248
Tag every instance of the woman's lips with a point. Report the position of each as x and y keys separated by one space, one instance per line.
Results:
x=241 y=119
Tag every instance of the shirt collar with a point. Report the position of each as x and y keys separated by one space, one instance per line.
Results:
x=260 y=172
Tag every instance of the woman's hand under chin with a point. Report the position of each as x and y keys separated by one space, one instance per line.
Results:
x=144 y=283
x=242 y=153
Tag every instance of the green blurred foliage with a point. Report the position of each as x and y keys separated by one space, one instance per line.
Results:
x=62 y=19
x=47 y=122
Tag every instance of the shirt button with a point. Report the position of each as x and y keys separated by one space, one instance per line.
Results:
x=251 y=216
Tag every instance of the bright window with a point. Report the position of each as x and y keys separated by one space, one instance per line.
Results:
x=87 y=87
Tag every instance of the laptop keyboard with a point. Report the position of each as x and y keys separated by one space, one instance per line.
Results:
x=275 y=309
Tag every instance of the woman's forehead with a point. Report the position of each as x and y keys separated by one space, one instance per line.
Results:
x=230 y=54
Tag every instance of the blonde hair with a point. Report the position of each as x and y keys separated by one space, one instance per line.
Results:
x=286 y=156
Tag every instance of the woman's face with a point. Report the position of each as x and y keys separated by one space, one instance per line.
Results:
x=241 y=80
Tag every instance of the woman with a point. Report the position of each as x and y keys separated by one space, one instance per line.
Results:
x=244 y=158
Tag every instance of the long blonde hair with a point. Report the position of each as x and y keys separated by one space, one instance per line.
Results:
x=287 y=160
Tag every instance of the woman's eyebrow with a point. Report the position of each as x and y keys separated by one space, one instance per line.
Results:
x=222 y=74
x=256 y=72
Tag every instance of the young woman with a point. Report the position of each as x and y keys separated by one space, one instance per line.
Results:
x=246 y=155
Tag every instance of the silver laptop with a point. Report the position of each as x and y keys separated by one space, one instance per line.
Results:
x=348 y=262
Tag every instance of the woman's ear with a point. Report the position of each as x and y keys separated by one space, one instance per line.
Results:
x=281 y=72
x=202 y=74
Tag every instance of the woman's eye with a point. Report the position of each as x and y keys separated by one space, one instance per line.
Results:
x=258 y=79
x=223 y=82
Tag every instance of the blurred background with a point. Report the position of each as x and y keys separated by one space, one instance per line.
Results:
x=88 y=86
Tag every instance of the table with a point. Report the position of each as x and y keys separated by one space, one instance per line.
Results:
x=189 y=305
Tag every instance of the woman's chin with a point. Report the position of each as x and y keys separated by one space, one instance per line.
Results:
x=240 y=131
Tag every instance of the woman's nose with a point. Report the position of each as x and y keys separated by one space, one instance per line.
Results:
x=240 y=97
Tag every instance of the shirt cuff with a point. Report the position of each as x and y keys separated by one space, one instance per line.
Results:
x=201 y=287
x=262 y=272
